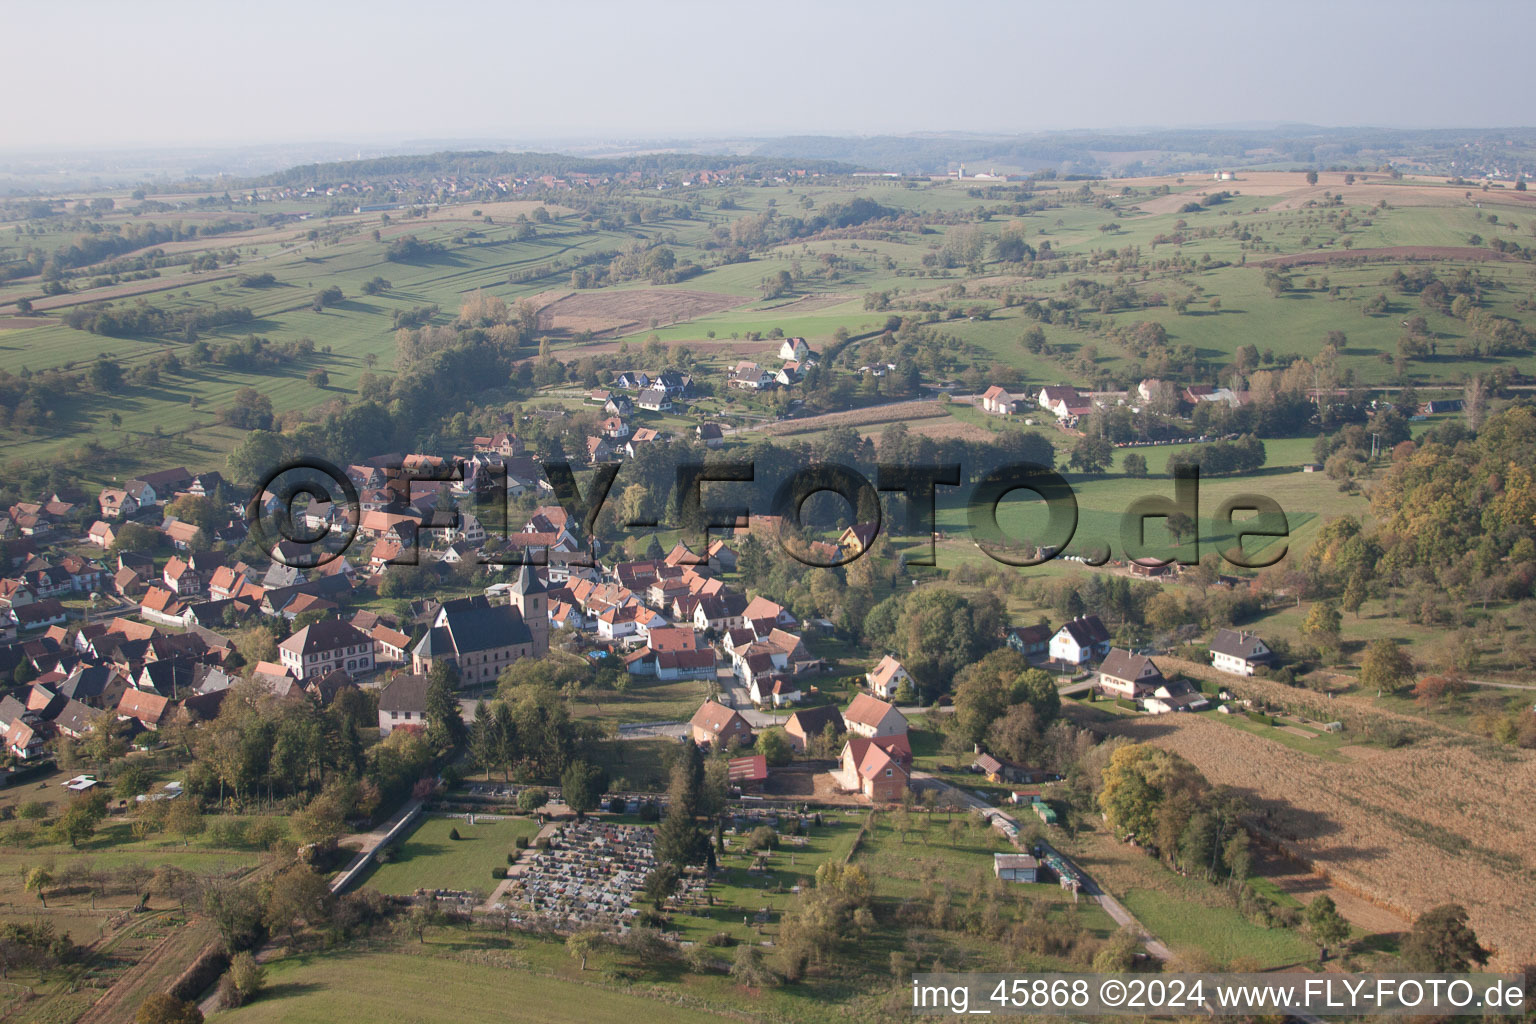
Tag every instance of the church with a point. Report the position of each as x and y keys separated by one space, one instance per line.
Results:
x=480 y=639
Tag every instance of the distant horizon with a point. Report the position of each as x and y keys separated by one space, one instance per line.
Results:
x=661 y=142
x=171 y=73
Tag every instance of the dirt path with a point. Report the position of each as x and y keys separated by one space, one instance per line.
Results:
x=163 y=963
x=1306 y=885
x=524 y=861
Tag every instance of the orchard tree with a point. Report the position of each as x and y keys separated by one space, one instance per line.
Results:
x=1386 y=667
x=1325 y=923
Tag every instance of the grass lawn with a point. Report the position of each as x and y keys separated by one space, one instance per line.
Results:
x=1221 y=932
x=427 y=989
x=645 y=701
x=428 y=859
x=739 y=891
x=637 y=765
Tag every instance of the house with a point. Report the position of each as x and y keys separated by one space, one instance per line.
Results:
x=886 y=678
x=117 y=503
x=762 y=608
x=856 y=539
x=403 y=702
x=1177 y=695
x=1054 y=396
x=1080 y=641
x=325 y=646
x=1015 y=867
x=22 y=741
x=619 y=405
x=598 y=450
x=776 y=689
x=148 y=709
x=749 y=376
x=998 y=401
x=807 y=725
x=157 y=487
x=480 y=639
x=721 y=557
x=389 y=645
x=794 y=350
x=866 y=768
x=1030 y=641
x=870 y=717
x=998 y=770
x=1239 y=653
x=639 y=439
x=714 y=724
x=711 y=434
x=38 y=614
x=653 y=400
x=77 y=720
x=674 y=382
x=1132 y=676
x=720 y=612
x=101 y=534
x=325 y=689
x=633 y=380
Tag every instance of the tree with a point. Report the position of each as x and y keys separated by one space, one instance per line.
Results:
x=531 y=799
x=583 y=944
x=661 y=883
x=1311 y=177
x=246 y=978
x=1442 y=942
x=160 y=1008
x=581 y=787
x=201 y=512
x=1091 y=454
x=1322 y=625
x=1386 y=667
x=79 y=821
x=1119 y=953
x=184 y=819
x=1326 y=924
x=38 y=880
x=445 y=719
x=318 y=378
x=748 y=968
x=1134 y=465
x=774 y=745
x=984 y=691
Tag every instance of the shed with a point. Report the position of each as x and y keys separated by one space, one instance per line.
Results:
x=1015 y=867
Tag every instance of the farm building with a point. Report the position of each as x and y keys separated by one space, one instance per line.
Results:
x=1015 y=867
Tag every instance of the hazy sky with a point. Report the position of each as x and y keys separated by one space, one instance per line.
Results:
x=105 y=72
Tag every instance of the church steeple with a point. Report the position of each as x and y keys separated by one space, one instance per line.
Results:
x=529 y=597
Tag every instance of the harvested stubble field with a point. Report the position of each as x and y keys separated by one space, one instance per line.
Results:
x=897 y=412
x=615 y=310
x=1443 y=820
